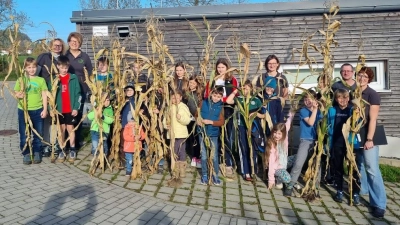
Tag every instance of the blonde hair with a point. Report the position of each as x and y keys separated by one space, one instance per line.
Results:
x=29 y=61
x=341 y=93
x=62 y=44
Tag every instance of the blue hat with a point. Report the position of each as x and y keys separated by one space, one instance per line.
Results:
x=270 y=82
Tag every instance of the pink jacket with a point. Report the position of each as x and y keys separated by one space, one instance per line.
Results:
x=273 y=163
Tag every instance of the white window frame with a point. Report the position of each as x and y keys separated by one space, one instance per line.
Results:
x=379 y=85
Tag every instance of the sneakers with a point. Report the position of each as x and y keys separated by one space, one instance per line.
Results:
x=128 y=174
x=72 y=155
x=339 y=197
x=377 y=212
x=279 y=186
x=61 y=157
x=198 y=163
x=46 y=151
x=27 y=159
x=356 y=199
x=247 y=177
x=229 y=172
x=288 y=192
x=204 y=180
x=36 y=158
x=194 y=162
x=216 y=180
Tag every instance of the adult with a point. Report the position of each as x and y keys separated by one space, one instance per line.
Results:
x=272 y=66
x=79 y=62
x=369 y=154
x=46 y=68
x=347 y=82
x=229 y=83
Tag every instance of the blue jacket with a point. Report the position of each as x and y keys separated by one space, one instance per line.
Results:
x=126 y=114
x=211 y=111
x=274 y=109
x=331 y=128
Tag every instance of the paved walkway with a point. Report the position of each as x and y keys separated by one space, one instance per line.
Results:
x=61 y=193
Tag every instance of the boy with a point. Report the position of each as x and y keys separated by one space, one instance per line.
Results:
x=34 y=89
x=309 y=117
x=337 y=116
x=273 y=106
x=103 y=74
x=180 y=118
x=212 y=117
x=68 y=98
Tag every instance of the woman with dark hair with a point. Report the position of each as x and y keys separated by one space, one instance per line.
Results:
x=180 y=80
x=229 y=83
x=368 y=156
x=272 y=65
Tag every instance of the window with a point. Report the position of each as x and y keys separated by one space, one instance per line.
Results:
x=309 y=79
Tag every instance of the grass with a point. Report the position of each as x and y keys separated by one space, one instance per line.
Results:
x=13 y=76
x=390 y=173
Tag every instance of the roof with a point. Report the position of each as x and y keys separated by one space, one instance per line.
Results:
x=233 y=10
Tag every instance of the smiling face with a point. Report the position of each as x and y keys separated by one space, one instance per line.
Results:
x=221 y=68
x=31 y=69
x=269 y=90
x=74 y=44
x=176 y=99
x=363 y=79
x=129 y=92
x=192 y=85
x=57 y=47
x=278 y=135
x=343 y=100
x=347 y=72
x=215 y=97
x=272 y=65
x=103 y=67
x=308 y=101
x=179 y=71
x=62 y=69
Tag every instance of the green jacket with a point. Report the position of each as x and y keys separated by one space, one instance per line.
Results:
x=74 y=93
x=107 y=117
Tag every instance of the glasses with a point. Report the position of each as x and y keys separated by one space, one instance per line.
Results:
x=362 y=76
x=347 y=71
x=57 y=46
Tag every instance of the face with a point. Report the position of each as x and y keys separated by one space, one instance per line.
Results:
x=278 y=135
x=221 y=68
x=30 y=69
x=103 y=67
x=343 y=101
x=176 y=99
x=272 y=65
x=107 y=102
x=57 y=47
x=215 y=97
x=363 y=79
x=192 y=85
x=246 y=90
x=180 y=72
x=136 y=68
x=74 y=44
x=269 y=90
x=129 y=92
x=347 y=73
x=308 y=102
x=63 y=70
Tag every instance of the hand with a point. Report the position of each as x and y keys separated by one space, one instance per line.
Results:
x=271 y=185
x=210 y=122
x=178 y=117
x=19 y=94
x=43 y=114
x=368 y=145
x=74 y=113
x=167 y=127
x=315 y=105
x=156 y=111
x=141 y=111
x=199 y=122
x=137 y=138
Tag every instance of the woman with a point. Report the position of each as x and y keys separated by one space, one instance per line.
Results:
x=369 y=154
x=229 y=84
x=79 y=61
x=46 y=68
x=272 y=66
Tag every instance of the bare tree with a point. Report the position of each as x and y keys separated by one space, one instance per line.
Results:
x=7 y=9
x=110 y=4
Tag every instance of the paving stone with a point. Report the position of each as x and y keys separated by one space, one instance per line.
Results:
x=252 y=214
x=309 y=222
x=272 y=217
x=287 y=212
x=198 y=201
x=147 y=193
x=305 y=215
x=290 y=219
x=119 y=183
x=214 y=189
x=231 y=191
x=105 y=176
x=342 y=219
x=168 y=190
x=215 y=209
x=200 y=188
x=216 y=196
x=182 y=192
x=163 y=196
x=181 y=199
x=134 y=186
x=236 y=212
x=233 y=205
x=215 y=202
x=148 y=187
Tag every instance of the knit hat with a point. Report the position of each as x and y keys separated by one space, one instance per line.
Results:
x=270 y=82
x=129 y=85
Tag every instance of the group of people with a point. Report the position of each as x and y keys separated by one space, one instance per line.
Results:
x=204 y=115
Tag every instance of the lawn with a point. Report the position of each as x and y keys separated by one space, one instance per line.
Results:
x=390 y=173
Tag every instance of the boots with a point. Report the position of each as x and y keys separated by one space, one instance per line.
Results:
x=182 y=168
x=177 y=169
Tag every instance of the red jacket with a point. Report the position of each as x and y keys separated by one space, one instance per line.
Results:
x=229 y=87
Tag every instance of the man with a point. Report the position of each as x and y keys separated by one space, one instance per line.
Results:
x=347 y=73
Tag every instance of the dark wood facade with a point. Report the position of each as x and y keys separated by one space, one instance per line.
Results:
x=379 y=32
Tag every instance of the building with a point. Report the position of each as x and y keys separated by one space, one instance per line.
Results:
x=271 y=28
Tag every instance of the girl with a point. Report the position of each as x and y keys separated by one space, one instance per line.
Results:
x=34 y=89
x=276 y=154
x=229 y=84
x=194 y=97
x=254 y=105
x=180 y=82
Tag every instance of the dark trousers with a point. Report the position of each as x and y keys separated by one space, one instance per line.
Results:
x=180 y=149
x=229 y=136
x=193 y=145
x=338 y=155
x=244 y=152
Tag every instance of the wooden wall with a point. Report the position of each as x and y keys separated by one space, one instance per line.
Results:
x=380 y=33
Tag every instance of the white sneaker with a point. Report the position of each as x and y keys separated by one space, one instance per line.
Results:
x=279 y=186
x=194 y=162
x=198 y=163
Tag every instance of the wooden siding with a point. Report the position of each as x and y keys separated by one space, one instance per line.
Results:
x=279 y=35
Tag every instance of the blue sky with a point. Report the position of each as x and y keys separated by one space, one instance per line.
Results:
x=57 y=13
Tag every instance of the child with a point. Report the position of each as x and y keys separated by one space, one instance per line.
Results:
x=34 y=89
x=212 y=117
x=126 y=112
x=273 y=105
x=337 y=116
x=276 y=154
x=107 y=118
x=131 y=137
x=194 y=98
x=309 y=117
x=180 y=81
x=68 y=103
x=180 y=118
x=104 y=76
x=253 y=105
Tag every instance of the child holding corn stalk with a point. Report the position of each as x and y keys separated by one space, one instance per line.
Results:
x=32 y=105
x=180 y=118
x=254 y=106
x=107 y=118
x=212 y=118
x=276 y=155
x=132 y=138
x=68 y=103
x=337 y=117
x=309 y=117
x=126 y=112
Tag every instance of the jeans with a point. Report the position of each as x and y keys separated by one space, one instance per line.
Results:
x=244 y=152
x=363 y=180
x=204 y=155
x=376 y=188
x=129 y=161
x=37 y=123
x=95 y=142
